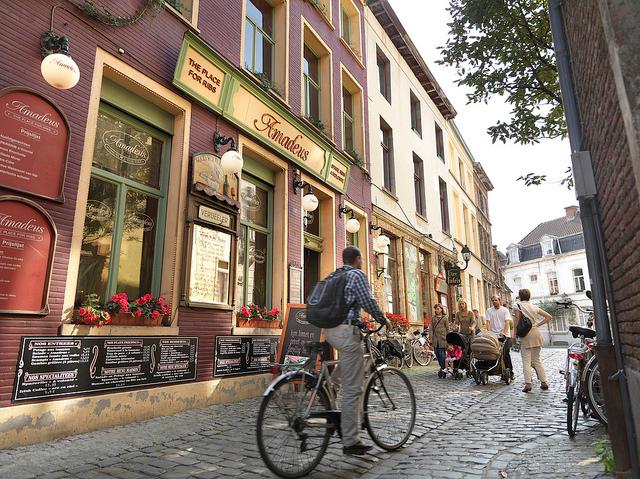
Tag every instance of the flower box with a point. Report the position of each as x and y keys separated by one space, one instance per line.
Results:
x=128 y=319
x=258 y=323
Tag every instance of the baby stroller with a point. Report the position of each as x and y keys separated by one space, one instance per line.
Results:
x=487 y=358
x=462 y=363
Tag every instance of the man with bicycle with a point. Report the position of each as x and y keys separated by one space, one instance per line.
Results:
x=347 y=339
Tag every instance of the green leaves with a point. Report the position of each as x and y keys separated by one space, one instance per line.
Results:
x=504 y=48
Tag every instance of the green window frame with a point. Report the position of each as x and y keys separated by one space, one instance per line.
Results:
x=255 y=35
x=348 y=122
x=311 y=83
x=246 y=226
x=123 y=186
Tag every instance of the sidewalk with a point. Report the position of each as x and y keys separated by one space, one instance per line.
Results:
x=462 y=430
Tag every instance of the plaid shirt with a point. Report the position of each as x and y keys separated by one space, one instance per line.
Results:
x=358 y=294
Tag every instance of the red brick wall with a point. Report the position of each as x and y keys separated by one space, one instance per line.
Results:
x=152 y=47
x=604 y=136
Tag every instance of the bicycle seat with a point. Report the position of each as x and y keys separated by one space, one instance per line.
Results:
x=315 y=347
x=580 y=331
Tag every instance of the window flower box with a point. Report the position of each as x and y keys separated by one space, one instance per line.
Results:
x=254 y=316
x=119 y=311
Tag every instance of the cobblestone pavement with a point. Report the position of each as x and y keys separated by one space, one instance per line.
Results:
x=462 y=431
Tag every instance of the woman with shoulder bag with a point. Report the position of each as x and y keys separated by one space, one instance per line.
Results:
x=438 y=330
x=466 y=324
x=532 y=341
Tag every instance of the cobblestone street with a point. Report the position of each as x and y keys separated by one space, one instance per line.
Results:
x=462 y=430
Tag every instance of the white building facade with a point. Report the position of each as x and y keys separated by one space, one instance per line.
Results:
x=551 y=261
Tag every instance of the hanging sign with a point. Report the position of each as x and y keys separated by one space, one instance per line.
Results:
x=34 y=144
x=27 y=245
x=453 y=276
x=209 y=177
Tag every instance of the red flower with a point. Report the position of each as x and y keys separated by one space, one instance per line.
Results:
x=82 y=311
x=138 y=313
x=160 y=299
x=155 y=315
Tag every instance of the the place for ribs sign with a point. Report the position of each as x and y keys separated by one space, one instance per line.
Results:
x=27 y=244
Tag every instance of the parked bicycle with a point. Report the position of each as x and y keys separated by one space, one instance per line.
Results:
x=299 y=413
x=421 y=348
x=582 y=374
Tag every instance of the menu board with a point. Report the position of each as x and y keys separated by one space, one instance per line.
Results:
x=27 y=244
x=296 y=333
x=210 y=277
x=34 y=143
x=53 y=366
x=237 y=355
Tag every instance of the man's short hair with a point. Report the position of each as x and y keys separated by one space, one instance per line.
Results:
x=524 y=295
x=350 y=254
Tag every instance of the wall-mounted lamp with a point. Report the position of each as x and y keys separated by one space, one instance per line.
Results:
x=231 y=162
x=466 y=256
x=382 y=263
x=309 y=201
x=58 y=68
x=353 y=225
x=381 y=242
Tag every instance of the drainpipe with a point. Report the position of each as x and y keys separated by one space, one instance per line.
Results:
x=620 y=423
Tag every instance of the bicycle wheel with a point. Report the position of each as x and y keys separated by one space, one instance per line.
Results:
x=594 y=393
x=422 y=354
x=573 y=409
x=408 y=353
x=389 y=408
x=292 y=442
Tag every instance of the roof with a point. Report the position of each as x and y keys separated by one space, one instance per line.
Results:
x=400 y=38
x=558 y=228
x=482 y=175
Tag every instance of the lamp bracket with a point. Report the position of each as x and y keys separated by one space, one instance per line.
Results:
x=344 y=210
x=299 y=184
x=373 y=227
x=51 y=42
x=219 y=139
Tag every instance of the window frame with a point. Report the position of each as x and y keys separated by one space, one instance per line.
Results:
x=578 y=280
x=241 y=297
x=552 y=282
x=416 y=113
x=307 y=80
x=193 y=18
x=439 y=142
x=259 y=31
x=392 y=259
x=350 y=119
x=418 y=185
x=384 y=77
x=388 y=166
x=444 y=206
x=123 y=186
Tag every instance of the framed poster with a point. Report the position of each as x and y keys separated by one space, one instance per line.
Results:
x=27 y=246
x=34 y=143
x=295 y=285
x=209 y=177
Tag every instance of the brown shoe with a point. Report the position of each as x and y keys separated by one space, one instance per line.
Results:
x=527 y=388
x=544 y=386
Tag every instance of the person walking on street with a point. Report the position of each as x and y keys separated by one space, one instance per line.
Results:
x=480 y=323
x=531 y=344
x=438 y=330
x=498 y=321
x=347 y=339
x=465 y=322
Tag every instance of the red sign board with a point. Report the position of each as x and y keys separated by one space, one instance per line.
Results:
x=27 y=244
x=34 y=143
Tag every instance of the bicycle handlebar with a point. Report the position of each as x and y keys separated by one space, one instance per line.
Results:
x=366 y=330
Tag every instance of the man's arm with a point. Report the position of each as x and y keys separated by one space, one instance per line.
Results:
x=364 y=297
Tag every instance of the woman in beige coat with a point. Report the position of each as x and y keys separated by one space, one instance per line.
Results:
x=438 y=330
x=531 y=344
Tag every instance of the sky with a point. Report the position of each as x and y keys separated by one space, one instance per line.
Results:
x=514 y=209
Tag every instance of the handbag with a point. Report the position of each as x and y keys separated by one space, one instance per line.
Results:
x=524 y=325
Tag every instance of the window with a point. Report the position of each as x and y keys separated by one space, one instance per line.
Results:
x=384 y=74
x=348 y=127
x=255 y=250
x=418 y=185
x=352 y=118
x=391 y=280
x=547 y=247
x=444 y=206
x=533 y=278
x=416 y=120
x=350 y=26
x=517 y=283
x=259 y=42
x=124 y=223
x=439 y=143
x=578 y=280
x=461 y=173
x=425 y=284
x=316 y=80
x=465 y=220
x=552 y=278
x=386 y=142
x=345 y=25
x=187 y=8
x=311 y=84
x=513 y=253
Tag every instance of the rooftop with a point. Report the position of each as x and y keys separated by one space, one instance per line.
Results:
x=559 y=228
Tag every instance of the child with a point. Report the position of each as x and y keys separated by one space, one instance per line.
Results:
x=453 y=353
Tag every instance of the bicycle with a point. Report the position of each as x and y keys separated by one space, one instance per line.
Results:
x=299 y=413
x=421 y=347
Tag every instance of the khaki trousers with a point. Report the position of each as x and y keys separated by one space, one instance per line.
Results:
x=531 y=357
x=347 y=340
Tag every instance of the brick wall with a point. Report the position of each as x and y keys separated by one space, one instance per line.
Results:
x=604 y=136
x=152 y=47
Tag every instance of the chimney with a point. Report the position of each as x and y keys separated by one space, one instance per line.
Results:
x=571 y=212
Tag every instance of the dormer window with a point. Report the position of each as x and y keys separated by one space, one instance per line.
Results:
x=512 y=251
x=547 y=246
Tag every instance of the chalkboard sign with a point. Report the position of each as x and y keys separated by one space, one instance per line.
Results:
x=53 y=366
x=244 y=354
x=296 y=332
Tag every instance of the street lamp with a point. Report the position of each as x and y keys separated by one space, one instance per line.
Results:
x=353 y=225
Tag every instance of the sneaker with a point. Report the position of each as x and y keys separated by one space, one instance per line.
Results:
x=544 y=386
x=527 y=388
x=356 y=450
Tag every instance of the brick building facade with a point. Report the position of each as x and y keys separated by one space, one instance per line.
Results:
x=131 y=75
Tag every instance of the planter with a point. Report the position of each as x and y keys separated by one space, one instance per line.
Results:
x=258 y=323
x=128 y=319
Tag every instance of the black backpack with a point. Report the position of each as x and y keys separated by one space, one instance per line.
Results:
x=524 y=325
x=326 y=307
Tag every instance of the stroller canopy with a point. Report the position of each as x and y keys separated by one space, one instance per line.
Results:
x=455 y=339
